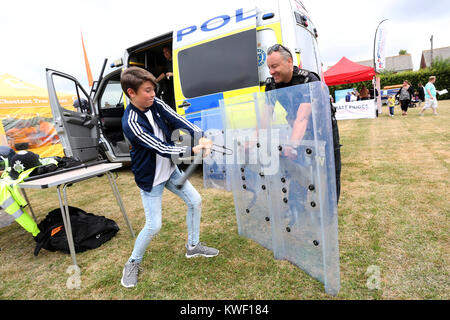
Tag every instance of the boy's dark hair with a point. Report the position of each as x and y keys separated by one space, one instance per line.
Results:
x=134 y=77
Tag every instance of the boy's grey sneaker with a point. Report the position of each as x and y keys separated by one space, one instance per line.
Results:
x=201 y=250
x=130 y=274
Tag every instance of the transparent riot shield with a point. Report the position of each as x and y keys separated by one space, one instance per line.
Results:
x=248 y=180
x=214 y=166
x=283 y=176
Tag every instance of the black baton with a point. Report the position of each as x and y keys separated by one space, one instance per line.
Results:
x=189 y=170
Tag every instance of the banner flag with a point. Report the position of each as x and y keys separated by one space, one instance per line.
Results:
x=380 y=60
x=88 y=68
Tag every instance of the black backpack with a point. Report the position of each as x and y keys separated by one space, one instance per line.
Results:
x=89 y=231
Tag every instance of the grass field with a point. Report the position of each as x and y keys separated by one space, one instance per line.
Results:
x=393 y=217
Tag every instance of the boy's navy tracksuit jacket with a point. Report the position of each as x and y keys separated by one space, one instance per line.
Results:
x=145 y=145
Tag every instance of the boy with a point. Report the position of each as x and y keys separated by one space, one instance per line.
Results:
x=391 y=104
x=148 y=124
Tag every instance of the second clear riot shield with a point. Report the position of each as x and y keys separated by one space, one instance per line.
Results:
x=244 y=167
x=283 y=177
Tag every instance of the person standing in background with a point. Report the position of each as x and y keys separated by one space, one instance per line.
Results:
x=405 y=95
x=165 y=79
x=421 y=93
x=430 y=97
x=364 y=93
x=391 y=104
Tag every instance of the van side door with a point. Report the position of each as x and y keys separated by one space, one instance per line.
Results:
x=75 y=119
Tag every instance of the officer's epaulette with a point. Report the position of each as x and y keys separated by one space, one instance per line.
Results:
x=270 y=82
x=303 y=72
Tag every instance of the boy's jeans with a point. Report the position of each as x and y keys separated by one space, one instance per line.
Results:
x=152 y=208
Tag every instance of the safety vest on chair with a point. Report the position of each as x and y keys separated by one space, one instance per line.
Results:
x=12 y=202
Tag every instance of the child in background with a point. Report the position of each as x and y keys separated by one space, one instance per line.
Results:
x=391 y=104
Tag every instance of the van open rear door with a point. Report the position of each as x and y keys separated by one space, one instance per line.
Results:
x=74 y=116
x=213 y=59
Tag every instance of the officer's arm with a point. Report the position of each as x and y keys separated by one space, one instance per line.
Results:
x=303 y=113
x=161 y=76
x=300 y=123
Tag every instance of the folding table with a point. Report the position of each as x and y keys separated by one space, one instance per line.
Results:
x=64 y=179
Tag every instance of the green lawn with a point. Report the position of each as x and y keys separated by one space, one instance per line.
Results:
x=393 y=216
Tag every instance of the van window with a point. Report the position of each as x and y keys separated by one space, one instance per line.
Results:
x=69 y=93
x=307 y=46
x=221 y=65
x=112 y=96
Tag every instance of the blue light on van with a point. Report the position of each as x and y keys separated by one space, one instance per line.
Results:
x=268 y=16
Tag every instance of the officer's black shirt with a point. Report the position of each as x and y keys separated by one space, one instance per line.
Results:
x=167 y=85
x=291 y=99
x=299 y=76
x=168 y=66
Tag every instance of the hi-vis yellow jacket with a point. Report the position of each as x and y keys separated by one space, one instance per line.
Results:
x=13 y=203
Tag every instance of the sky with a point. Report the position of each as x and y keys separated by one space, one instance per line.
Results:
x=36 y=35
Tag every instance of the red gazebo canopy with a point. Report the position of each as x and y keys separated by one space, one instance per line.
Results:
x=346 y=71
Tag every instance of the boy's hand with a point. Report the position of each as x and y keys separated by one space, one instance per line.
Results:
x=207 y=143
x=204 y=144
x=197 y=149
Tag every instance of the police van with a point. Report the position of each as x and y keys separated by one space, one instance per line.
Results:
x=221 y=57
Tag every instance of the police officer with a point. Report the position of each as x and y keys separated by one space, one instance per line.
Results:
x=284 y=74
x=166 y=79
